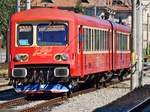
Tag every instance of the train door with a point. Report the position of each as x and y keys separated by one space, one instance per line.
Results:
x=121 y=54
x=110 y=38
x=113 y=46
x=114 y=50
x=80 y=47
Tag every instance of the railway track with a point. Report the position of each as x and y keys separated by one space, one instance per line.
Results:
x=14 y=102
x=51 y=102
x=55 y=101
x=3 y=85
x=59 y=100
x=142 y=107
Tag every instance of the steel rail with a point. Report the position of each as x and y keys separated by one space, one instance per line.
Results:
x=3 y=85
x=139 y=107
x=14 y=102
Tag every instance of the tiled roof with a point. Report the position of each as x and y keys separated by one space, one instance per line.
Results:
x=121 y=8
x=56 y=3
x=128 y=2
x=70 y=3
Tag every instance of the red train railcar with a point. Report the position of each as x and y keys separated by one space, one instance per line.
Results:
x=55 y=50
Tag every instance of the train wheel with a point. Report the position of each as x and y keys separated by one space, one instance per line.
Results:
x=108 y=76
x=75 y=85
x=103 y=81
x=121 y=75
x=120 y=78
x=97 y=85
x=95 y=82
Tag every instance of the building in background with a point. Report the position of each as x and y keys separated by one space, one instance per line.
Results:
x=115 y=10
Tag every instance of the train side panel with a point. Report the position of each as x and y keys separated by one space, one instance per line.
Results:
x=95 y=59
x=122 y=53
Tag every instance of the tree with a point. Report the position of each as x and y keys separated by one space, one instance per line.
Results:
x=7 y=8
x=79 y=8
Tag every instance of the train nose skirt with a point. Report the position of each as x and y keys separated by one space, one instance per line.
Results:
x=36 y=88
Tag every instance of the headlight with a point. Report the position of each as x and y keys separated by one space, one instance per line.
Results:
x=17 y=58
x=64 y=57
x=60 y=57
x=57 y=57
x=24 y=57
x=21 y=57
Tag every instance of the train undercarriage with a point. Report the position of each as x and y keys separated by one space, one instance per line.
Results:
x=56 y=79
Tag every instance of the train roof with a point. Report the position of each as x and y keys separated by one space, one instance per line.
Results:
x=92 y=21
x=42 y=14
x=39 y=14
x=121 y=28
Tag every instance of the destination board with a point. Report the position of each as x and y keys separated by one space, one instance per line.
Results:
x=51 y=28
x=24 y=28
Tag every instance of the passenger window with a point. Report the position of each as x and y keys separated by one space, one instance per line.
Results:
x=25 y=35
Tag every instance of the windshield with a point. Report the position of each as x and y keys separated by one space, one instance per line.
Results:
x=25 y=35
x=52 y=34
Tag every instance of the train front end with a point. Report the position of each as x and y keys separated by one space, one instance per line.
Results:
x=42 y=53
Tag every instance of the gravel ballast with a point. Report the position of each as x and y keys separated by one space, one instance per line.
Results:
x=94 y=100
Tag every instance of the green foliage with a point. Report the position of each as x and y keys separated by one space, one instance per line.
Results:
x=147 y=50
x=3 y=42
x=79 y=8
x=7 y=7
